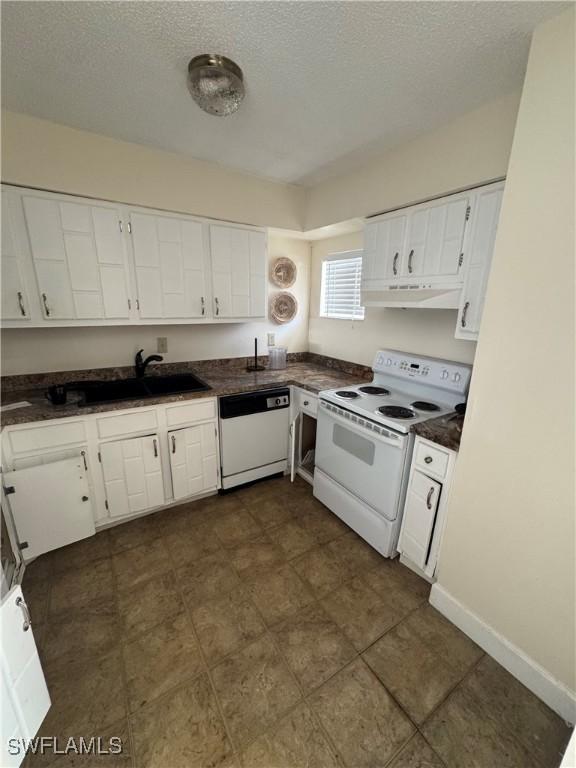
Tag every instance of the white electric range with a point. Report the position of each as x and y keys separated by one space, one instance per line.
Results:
x=364 y=443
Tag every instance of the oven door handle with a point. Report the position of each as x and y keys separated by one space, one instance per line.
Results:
x=395 y=441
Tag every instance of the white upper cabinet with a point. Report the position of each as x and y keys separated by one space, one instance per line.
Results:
x=435 y=234
x=419 y=244
x=484 y=224
x=15 y=300
x=238 y=272
x=171 y=265
x=70 y=261
x=383 y=249
x=79 y=258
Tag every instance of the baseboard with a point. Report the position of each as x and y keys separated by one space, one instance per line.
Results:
x=551 y=691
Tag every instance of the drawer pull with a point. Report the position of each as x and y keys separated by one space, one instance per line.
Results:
x=429 y=498
x=428 y=459
x=306 y=402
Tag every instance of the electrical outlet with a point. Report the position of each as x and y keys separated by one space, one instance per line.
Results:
x=161 y=344
x=271 y=339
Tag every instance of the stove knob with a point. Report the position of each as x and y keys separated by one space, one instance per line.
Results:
x=278 y=401
x=444 y=374
x=389 y=361
x=456 y=377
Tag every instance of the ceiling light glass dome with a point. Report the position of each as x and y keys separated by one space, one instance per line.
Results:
x=216 y=84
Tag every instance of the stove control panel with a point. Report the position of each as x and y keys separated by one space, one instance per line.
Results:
x=428 y=370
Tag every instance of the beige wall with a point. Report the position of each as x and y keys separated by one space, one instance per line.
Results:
x=39 y=153
x=423 y=331
x=470 y=150
x=508 y=554
x=61 y=349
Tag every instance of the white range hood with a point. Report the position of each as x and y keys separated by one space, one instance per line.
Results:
x=414 y=296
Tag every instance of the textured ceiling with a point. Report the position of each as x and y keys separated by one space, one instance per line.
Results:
x=329 y=84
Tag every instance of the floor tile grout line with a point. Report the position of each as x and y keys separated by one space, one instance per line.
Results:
x=123 y=669
x=219 y=706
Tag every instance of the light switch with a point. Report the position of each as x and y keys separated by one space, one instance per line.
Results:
x=162 y=344
x=271 y=339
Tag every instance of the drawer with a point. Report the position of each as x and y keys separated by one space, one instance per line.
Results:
x=431 y=459
x=197 y=410
x=40 y=438
x=127 y=423
x=306 y=401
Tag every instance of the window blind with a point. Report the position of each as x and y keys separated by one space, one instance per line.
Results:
x=341 y=279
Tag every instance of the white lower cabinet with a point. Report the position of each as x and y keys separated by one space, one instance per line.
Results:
x=72 y=476
x=132 y=474
x=193 y=460
x=303 y=434
x=425 y=506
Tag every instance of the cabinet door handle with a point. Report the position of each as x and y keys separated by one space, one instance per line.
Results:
x=83 y=454
x=21 y=304
x=217 y=305
x=410 y=255
x=429 y=498
x=27 y=618
x=45 y=302
x=202 y=305
x=138 y=304
x=464 y=313
x=155 y=444
x=173 y=444
x=395 y=263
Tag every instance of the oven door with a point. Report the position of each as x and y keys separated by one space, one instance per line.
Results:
x=369 y=464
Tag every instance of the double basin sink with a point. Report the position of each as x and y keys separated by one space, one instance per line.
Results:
x=94 y=392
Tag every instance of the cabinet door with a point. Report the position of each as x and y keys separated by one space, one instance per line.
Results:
x=50 y=505
x=383 y=248
x=238 y=258
x=419 y=517
x=170 y=263
x=25 y=697
x=132 y=475
x=193 y=460
x=15 y=303
x=478 y=259
x=434 y=239
x=79 y=259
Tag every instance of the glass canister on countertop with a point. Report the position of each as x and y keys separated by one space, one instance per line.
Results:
x=277 y=358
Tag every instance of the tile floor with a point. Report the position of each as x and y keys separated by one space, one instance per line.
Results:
x=257 y=630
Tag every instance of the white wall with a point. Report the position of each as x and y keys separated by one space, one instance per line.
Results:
x=472 y=149
x=509 y=550
x=39 y=153
x=422 y=331
x=60 y=349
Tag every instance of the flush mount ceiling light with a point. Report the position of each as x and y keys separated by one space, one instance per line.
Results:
x=216 y=84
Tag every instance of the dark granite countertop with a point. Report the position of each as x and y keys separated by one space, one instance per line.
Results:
x=445 y=430
x=223 y=380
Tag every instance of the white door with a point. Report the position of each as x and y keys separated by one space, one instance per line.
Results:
x=384 y=245
x=294 y=444
x=15 y=303
x=171 y=266
x=434 y=239
x=478 y=260
x=419 y=517
x=193 y=460
x=50 y=505
x=132 y=475
x=25 y=698
x=79 y=258
x=238 y=258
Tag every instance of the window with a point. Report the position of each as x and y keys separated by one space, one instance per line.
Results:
x=341 y=276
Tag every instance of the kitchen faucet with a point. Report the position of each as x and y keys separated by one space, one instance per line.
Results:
x=140 y=365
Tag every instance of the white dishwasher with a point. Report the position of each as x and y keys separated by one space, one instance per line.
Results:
x=253 y=435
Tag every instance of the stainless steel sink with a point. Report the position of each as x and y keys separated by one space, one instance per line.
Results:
x=95 y=392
